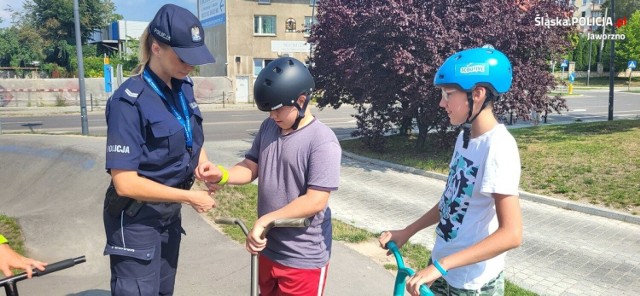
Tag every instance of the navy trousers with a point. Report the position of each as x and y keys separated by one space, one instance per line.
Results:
x=144 y=250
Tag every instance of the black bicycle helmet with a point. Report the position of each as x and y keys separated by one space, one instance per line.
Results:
x=281 y=82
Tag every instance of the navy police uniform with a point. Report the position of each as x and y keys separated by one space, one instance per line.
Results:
x=144 y=135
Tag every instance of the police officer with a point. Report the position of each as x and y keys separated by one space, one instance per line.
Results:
x=154 y=144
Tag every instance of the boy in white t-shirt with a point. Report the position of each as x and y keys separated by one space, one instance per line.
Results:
x=478 y=217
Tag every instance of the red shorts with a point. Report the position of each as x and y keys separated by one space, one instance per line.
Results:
x=276 y=279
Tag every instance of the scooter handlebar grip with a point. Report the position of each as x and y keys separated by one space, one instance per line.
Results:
x=293 y=222
x=225 y=220
x=60 y=265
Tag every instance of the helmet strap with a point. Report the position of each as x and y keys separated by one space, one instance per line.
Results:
x=301 y=111
x=466 y=127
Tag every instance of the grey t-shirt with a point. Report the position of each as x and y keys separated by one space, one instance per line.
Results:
x=287 y=165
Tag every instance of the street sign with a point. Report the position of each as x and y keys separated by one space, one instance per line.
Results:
x=565 y=63
x=107 y=78
x=632 y=64
x=572 y=77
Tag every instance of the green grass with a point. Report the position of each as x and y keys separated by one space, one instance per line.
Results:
x=594 y=162
x=404 y=153
x=511 y=289
x=348 y=233
x=240 y=202
x=10 y=228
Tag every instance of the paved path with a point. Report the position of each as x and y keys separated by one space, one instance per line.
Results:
x=54 y=186
x=564 y=252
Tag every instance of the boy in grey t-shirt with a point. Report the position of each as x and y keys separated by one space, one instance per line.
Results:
x=297 y=161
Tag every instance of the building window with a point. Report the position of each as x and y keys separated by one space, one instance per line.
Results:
x=290 y=25
x=584 y=2
x=264 y=1
x=259 y=64
x=308 y=22
x=264 y=25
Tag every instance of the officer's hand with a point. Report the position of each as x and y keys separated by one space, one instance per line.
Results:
x=208 y=172
x=202 y=201
x=213 y=187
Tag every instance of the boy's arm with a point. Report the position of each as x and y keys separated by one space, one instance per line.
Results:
x=243 y=172
x=306 y=205
x=10 y=259
x=429 y=218
x=216 y=176
x=506 y=237
x=401 y=236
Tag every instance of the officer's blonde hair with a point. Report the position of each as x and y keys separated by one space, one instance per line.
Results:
x=146 y=40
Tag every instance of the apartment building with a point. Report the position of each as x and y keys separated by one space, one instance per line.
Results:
x=245 y=35
x=588 y=9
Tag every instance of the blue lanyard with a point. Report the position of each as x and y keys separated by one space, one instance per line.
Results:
x=184 y=121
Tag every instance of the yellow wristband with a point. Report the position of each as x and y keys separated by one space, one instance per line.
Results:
x=225 y=175
x=3 y=240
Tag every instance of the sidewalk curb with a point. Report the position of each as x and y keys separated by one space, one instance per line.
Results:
x=582 y=208
x=100 y=109
x=564 y=204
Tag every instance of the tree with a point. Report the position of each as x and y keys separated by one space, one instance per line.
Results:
x=580 y=52
x=54 y=22
x=20 y=47
x=55 y=18
x=623 y=8
x=382 y=57
x=629 y=48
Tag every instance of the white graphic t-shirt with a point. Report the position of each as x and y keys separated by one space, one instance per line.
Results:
x=491 y=164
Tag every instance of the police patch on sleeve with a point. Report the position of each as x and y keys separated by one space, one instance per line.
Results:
x=123 y=149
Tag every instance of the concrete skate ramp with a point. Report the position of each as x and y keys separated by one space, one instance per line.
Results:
x=54 y=186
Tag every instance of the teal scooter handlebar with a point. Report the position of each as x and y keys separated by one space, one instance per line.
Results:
x=403 y=273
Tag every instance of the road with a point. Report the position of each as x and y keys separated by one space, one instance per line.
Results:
x=587 y=105
x=220 y=124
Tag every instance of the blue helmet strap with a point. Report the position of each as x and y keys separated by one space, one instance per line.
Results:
x=301 y=111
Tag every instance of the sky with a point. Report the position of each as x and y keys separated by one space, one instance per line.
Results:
x=132 y=10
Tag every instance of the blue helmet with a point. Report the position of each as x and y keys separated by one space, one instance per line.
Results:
x=484 y=66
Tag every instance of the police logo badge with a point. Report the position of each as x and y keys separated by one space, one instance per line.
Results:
x=195 y=34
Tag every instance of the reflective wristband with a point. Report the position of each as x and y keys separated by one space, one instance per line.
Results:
x=225 y=175
x=439 y=267
x=3 y=240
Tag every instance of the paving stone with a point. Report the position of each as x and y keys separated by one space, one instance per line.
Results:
x=563 y=252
